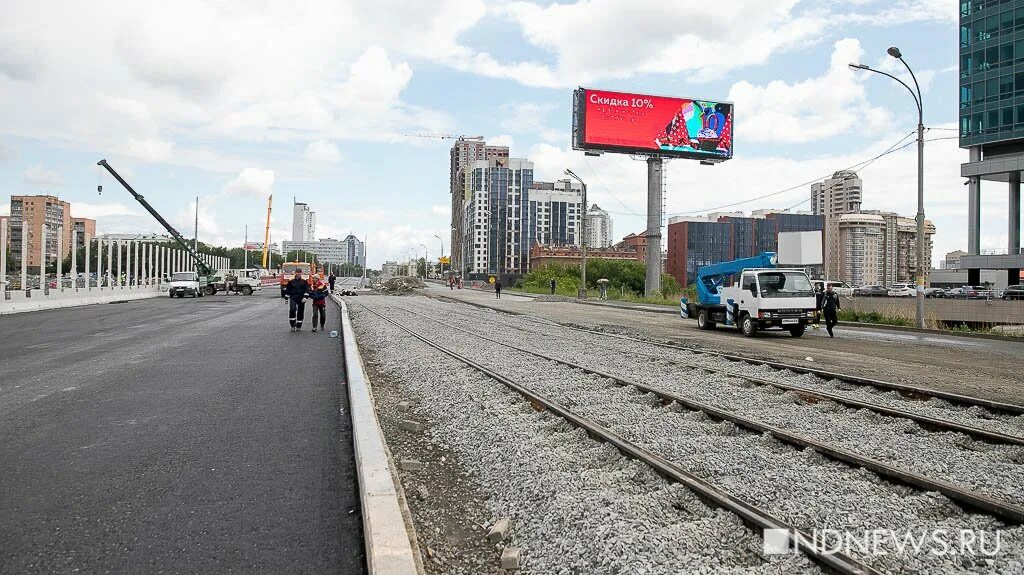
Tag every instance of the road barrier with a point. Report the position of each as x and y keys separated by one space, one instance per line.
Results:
x=37 y=300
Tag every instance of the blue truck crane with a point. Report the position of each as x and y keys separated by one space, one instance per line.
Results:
x=764 y=297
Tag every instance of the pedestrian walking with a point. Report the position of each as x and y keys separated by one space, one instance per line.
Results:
x=296 y=291
x=319 y=294
x=497 y=288
x=451 y=283
x=830 y=307
x=331 y=279
x=553 y=286
x=604 y=290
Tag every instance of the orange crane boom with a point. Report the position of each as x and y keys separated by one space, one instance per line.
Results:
x=266 y=233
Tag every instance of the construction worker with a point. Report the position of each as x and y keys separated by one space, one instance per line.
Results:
x=830 y=307
x=319 y=294
x=296 y=291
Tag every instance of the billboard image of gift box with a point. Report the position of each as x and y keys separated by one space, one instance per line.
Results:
x=622 y=122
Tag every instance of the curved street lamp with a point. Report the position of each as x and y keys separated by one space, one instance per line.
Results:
x=916 y=94
x=582 y=294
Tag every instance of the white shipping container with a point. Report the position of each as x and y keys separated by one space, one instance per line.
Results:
x=800 y=249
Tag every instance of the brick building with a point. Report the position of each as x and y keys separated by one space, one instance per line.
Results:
x=28 y=216
x=541 y=256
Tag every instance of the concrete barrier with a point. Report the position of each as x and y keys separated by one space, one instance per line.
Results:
x=388 y=541
x=36 y=300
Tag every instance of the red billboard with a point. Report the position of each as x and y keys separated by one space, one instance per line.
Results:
x=641 y=124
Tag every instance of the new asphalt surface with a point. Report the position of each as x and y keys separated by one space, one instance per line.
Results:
x=175 y=436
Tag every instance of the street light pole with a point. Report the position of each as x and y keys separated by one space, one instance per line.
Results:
x=425 y=261
x=582 y=294
x=440 y=262
x=918 y=100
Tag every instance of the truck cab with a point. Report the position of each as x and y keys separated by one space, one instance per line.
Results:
x=185 y=283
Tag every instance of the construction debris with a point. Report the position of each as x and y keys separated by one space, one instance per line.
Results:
x=400 y=285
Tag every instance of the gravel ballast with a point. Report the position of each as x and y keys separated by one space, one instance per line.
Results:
x=758 y=468
x=576 y=505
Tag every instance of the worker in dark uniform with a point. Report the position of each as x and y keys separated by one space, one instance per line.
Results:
x=830 y=308
x=331 y=279
x=296 y=291
x=497 y=288
x=318 y=291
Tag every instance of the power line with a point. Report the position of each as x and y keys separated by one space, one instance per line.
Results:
x=607 y=189
x=797 y=186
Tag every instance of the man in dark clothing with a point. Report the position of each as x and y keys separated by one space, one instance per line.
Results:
x=296 y=291
x=552 y=286
x=331 y=279
x=497 y=288
x=830 y=308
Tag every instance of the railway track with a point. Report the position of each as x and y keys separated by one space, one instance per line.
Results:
x=808 y=392
x=751 y=515
x=970 y=499
x=907 y=390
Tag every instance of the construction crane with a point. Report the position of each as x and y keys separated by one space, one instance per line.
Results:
x=266 y=233
x=444 y=136
x=202 y=268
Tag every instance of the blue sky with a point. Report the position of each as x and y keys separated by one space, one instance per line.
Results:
x=233 y=101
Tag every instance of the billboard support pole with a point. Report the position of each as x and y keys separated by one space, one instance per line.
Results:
x=652 y=284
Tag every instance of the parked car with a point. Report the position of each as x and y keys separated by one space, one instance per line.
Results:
x=870 y=291
x=840 y=288
x=971 y=292
x=935 y=292
x=1014 y=292
x=901 y=290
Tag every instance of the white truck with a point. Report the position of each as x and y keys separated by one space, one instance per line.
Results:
x=243 y=281
x=764 y=297
x=185 y=284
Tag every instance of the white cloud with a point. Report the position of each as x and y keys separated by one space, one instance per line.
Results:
x=41 y=177
x=831 y=104
x=97 y=211
x=251 y=183
x=601 y=31
x=502 y=140
x=444 y=210
x=323 y=151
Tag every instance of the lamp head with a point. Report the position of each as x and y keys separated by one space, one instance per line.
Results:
x=894 y=52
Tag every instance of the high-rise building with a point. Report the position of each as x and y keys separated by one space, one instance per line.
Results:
x=833 y=197
x=28 y=216
x=880 y=248
x=463 y=154
x=303 y=223
x=992 y=123
x=952 y=261
x=331 y=251
x=599 y=228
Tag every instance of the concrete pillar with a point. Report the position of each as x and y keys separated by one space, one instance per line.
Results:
x=99 y=262
x=974 y=218
x=3 y=257
x=60 y=260
x=24 y=257
x=87 y=240
x=138 y=262
x=74 y=259
x=652 y=283
x=42 y=260
x=1013 y=231
x=147 y=268
x=120 y=263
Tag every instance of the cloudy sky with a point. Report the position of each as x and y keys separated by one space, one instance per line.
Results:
x=232 y=101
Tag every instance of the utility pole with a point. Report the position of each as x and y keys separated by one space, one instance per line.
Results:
x=245 y=247
x=196 y=236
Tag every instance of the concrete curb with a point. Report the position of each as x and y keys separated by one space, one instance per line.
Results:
x=389 y=547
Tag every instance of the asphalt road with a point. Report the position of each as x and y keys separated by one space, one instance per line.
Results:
x=175 y=436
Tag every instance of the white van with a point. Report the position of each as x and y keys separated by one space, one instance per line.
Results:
x=838 y=287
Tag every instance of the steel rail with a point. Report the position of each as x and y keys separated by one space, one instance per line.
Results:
x=1008 y=511
x=748 y=513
